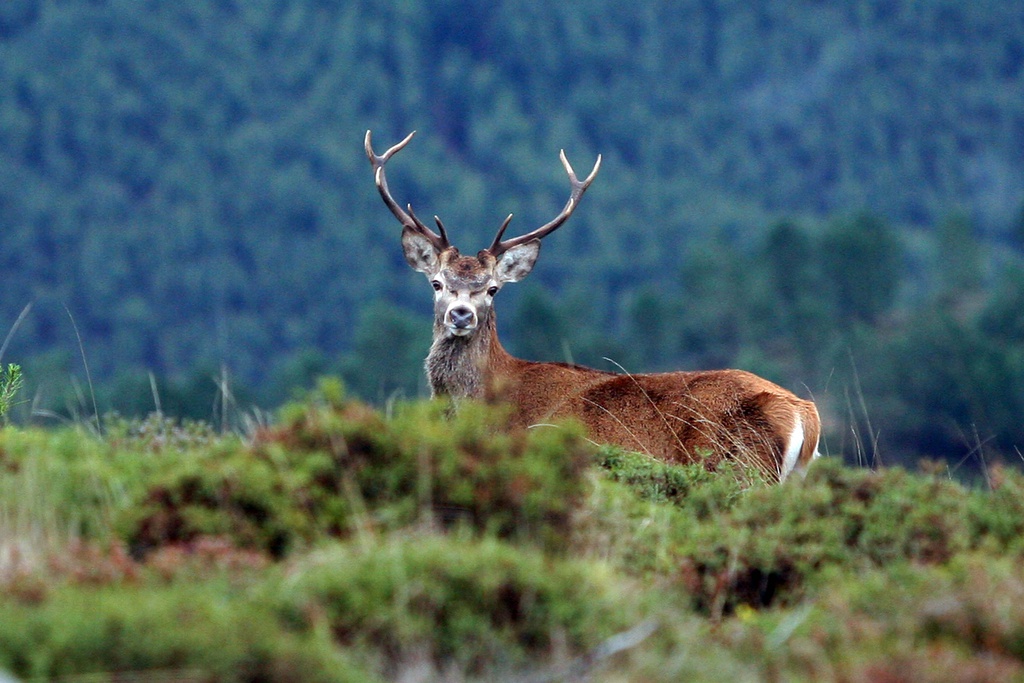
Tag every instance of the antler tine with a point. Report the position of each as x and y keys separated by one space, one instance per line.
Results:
x=409 y=219
x=499 y=247
x=420 y=225
x=497 y=238
x=440 y=226
x=382 y=159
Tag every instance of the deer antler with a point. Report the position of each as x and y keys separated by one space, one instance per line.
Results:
x=409 y=219
x=499 y=247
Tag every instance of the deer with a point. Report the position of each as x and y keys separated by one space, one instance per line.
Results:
x=678 y=417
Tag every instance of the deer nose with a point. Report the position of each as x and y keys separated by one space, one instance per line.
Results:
x=461 y=316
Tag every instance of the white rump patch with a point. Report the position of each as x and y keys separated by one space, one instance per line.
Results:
x=796 y=443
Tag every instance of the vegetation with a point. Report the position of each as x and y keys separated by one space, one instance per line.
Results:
x=11 y=382
x=341 y=544
x=825 y=193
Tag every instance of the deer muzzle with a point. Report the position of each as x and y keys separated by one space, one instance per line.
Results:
x=460 y=319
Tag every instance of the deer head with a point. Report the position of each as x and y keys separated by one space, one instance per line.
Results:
x=465 y=286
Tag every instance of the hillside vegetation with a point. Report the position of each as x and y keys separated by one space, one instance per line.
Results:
x=341 y=544
x=826 y=193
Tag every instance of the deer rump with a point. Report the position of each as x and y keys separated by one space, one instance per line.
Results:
x=680 y=417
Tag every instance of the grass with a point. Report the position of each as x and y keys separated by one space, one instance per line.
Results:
x=339 y=544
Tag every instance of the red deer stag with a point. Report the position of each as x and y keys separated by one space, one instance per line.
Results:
x=679 y=416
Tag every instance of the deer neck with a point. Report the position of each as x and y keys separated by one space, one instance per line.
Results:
x=465 y=367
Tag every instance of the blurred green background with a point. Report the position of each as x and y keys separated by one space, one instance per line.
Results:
x=830 y=194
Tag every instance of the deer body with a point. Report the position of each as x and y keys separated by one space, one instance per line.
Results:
x=685 y=417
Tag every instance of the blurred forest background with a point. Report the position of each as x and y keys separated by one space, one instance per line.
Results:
x=830 y=194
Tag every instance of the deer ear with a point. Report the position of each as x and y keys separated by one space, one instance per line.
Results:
x=517 y=262
x=419 y=252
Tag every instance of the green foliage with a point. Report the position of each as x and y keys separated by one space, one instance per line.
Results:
x=334 y=466
x=863 y=258
x=220 y=491
x=545 y=328
x=379 y=376
x=960 y=384
x=798 y=280
x=771 y=546
x=11 y=382
x=66 y=483
x=475 y=604
x=157 y=432
x=959 y=258
x=699 y=490
x=959 y=622
x=185 y=630
x=349 y=545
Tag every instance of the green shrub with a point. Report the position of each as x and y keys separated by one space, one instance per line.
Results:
x=996 y=517
x=482 y=603
x=57 y=485
x=342 y=540
x=157 y=433
x=771 y=545
x=694 y=487
x=192 y=631
x=959 y=622
x=526 y=485
x=225 y=490
x=334 y=467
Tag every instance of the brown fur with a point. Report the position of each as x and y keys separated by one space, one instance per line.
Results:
x=677 y=416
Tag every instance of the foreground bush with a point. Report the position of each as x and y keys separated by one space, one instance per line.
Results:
x=961 y=622
x=335 y=467
x=184 y=630
x=482 y=605
x=344 y=544
x=775 y=543
x=211 y=614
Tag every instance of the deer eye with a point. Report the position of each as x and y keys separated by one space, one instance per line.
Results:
x=492 y=290
x=436 y=284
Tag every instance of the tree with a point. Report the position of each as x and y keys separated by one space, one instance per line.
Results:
x=648 y=329
x=541 y=329
x=863 y=261
x=1017 y=230
x=958 y=261
x=805 y=317
x=387 y=354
